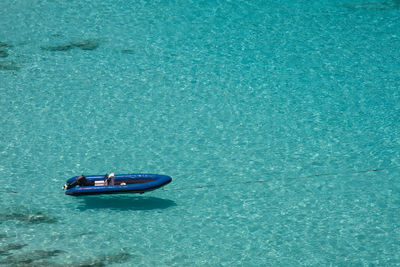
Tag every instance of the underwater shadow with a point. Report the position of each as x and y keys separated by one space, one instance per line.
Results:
x=124 y=203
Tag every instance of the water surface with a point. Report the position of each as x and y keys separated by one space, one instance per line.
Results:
x=218 y=95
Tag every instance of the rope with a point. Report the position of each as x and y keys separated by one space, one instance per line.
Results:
x=13 y=191
x=292 y=178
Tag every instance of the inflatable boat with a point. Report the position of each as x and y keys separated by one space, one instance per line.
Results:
x=114 y=184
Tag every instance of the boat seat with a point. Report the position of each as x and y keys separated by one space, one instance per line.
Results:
x=99 y=183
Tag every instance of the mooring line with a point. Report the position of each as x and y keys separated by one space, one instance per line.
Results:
x=13 y=191
x=292 y=178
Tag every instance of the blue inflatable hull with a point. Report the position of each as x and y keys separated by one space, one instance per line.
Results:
x=124 y=184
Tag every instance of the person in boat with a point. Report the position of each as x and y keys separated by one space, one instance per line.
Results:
x=81 y=181
x=110 y=180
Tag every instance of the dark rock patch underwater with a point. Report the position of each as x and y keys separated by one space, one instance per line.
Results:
x=4 y=44
x=128 y=51
x=9 y=66
x=40 y=258
x=31 y=258
x=3 y=53
x=6 y=65
x=5 y=250
x=35 y=218
x=83 y=44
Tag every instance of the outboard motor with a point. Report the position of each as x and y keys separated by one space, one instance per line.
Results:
x=81 y=181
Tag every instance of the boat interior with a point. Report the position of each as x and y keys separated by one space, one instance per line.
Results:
x=125 y=181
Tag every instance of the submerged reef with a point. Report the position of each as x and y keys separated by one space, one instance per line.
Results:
x=35 y=218
x=83 y=44
x=104 y=260
x=3 y=53
x=128 y=51
x=6 y=65
x=40 y=257
x=4 y=44
x=31 y=258
x=9 y=66
x=5 y=250
x=86 y=44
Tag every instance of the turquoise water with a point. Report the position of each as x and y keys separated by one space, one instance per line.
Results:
x=218 y=95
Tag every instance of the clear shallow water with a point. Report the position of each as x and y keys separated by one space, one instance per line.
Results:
x=211 y=93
